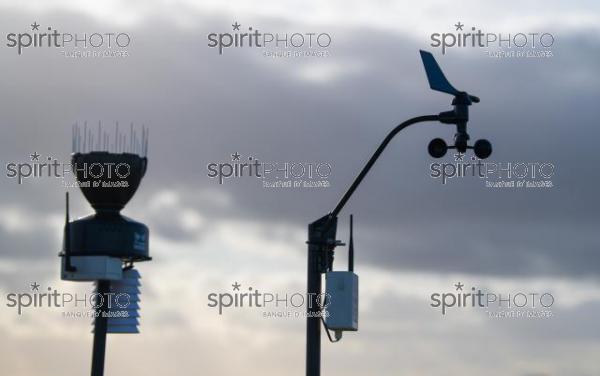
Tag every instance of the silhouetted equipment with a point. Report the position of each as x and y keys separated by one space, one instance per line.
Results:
x=322 y=232
x=437 y=148
x=104 y=246
x=459 y=115
x=482 y=148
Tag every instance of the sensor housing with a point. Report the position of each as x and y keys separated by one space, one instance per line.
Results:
x=342 y=301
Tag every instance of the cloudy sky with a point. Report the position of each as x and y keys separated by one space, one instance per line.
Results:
x=414 y=236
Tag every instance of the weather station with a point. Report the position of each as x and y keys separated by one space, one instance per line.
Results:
x=103 y=247
x=339 y=310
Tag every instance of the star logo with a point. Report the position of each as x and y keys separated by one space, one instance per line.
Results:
x=459 y=26
x=459 y=286
x=235 y=156
x=236 y=286
x=35 y=26
x=236 y=26
x=35 y=156
x=459 y=157
x=35 y=286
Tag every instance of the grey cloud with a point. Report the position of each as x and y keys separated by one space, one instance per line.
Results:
x=202 y=106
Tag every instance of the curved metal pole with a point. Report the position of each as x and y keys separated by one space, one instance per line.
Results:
x=374 y=158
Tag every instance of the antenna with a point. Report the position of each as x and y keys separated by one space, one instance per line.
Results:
x=67 y=249
x=351 y=247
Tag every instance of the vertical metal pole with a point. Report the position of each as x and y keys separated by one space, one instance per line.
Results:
x=321 y=242
x=100 y=322
x=313 y=324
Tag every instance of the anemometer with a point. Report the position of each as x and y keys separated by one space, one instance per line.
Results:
x=342 y=286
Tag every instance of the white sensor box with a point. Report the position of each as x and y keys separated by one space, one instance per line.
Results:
x=342 y=300
x=92 y=268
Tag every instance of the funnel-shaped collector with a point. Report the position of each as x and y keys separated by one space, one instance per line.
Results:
x=108 y=180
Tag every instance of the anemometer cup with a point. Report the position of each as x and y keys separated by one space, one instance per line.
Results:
x=482 y=148
x=437 y=148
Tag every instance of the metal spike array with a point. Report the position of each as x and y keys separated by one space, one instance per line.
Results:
x=130 y=285
x=86 y=140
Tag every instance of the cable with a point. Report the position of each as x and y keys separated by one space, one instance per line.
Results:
x=325 y=325
x=329 y=334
